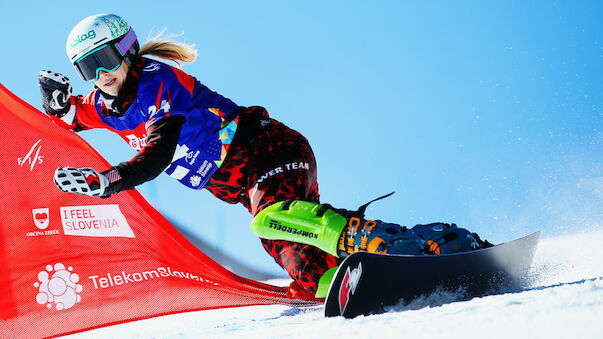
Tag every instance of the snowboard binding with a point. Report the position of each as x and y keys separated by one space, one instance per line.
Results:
x=443 y=238
x=375 y=236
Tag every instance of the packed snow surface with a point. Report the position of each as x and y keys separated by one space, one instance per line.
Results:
x=565 y=300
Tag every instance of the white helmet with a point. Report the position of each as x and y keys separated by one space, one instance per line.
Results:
x=100 y=42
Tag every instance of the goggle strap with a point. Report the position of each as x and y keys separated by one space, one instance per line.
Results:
x=127 y=42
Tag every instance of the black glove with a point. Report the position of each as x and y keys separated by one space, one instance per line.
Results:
x=56 y=93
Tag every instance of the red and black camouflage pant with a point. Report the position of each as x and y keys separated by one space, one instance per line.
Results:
x=267 y=163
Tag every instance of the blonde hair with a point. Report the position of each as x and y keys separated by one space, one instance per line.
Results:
x=167 y=49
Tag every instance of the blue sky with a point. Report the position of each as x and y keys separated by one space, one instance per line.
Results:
x=485 y=114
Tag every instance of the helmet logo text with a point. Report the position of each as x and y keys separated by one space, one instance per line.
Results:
x=80 y=38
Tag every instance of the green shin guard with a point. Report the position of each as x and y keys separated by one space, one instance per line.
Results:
x=300 y=221
x=325 y=282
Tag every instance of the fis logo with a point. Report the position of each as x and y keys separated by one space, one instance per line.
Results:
x=32 y=157
x=348 y=286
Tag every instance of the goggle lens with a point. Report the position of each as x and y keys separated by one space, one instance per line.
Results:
x=104 y=58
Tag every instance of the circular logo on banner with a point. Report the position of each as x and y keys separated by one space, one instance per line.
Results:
x=58 y=286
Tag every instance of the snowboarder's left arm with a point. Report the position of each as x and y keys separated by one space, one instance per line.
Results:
x=162 y=139
x=152 y=159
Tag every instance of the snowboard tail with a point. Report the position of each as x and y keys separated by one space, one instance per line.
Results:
x=368 y=283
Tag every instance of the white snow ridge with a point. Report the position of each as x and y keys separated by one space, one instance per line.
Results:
x=565 y=301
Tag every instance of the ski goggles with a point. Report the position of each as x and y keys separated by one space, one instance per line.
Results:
x=106 y=58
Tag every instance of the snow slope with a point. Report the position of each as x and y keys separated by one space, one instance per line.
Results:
x=565 y=301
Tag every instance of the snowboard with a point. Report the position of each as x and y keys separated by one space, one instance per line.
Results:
x=368 y=283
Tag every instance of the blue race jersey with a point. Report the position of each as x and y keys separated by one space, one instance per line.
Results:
x=165 y=91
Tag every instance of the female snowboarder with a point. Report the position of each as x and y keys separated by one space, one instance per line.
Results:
x=204 y=140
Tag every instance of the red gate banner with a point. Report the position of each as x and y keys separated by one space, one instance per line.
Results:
x=70 y=263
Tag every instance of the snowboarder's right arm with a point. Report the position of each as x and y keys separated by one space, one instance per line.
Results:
x=62 y=106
